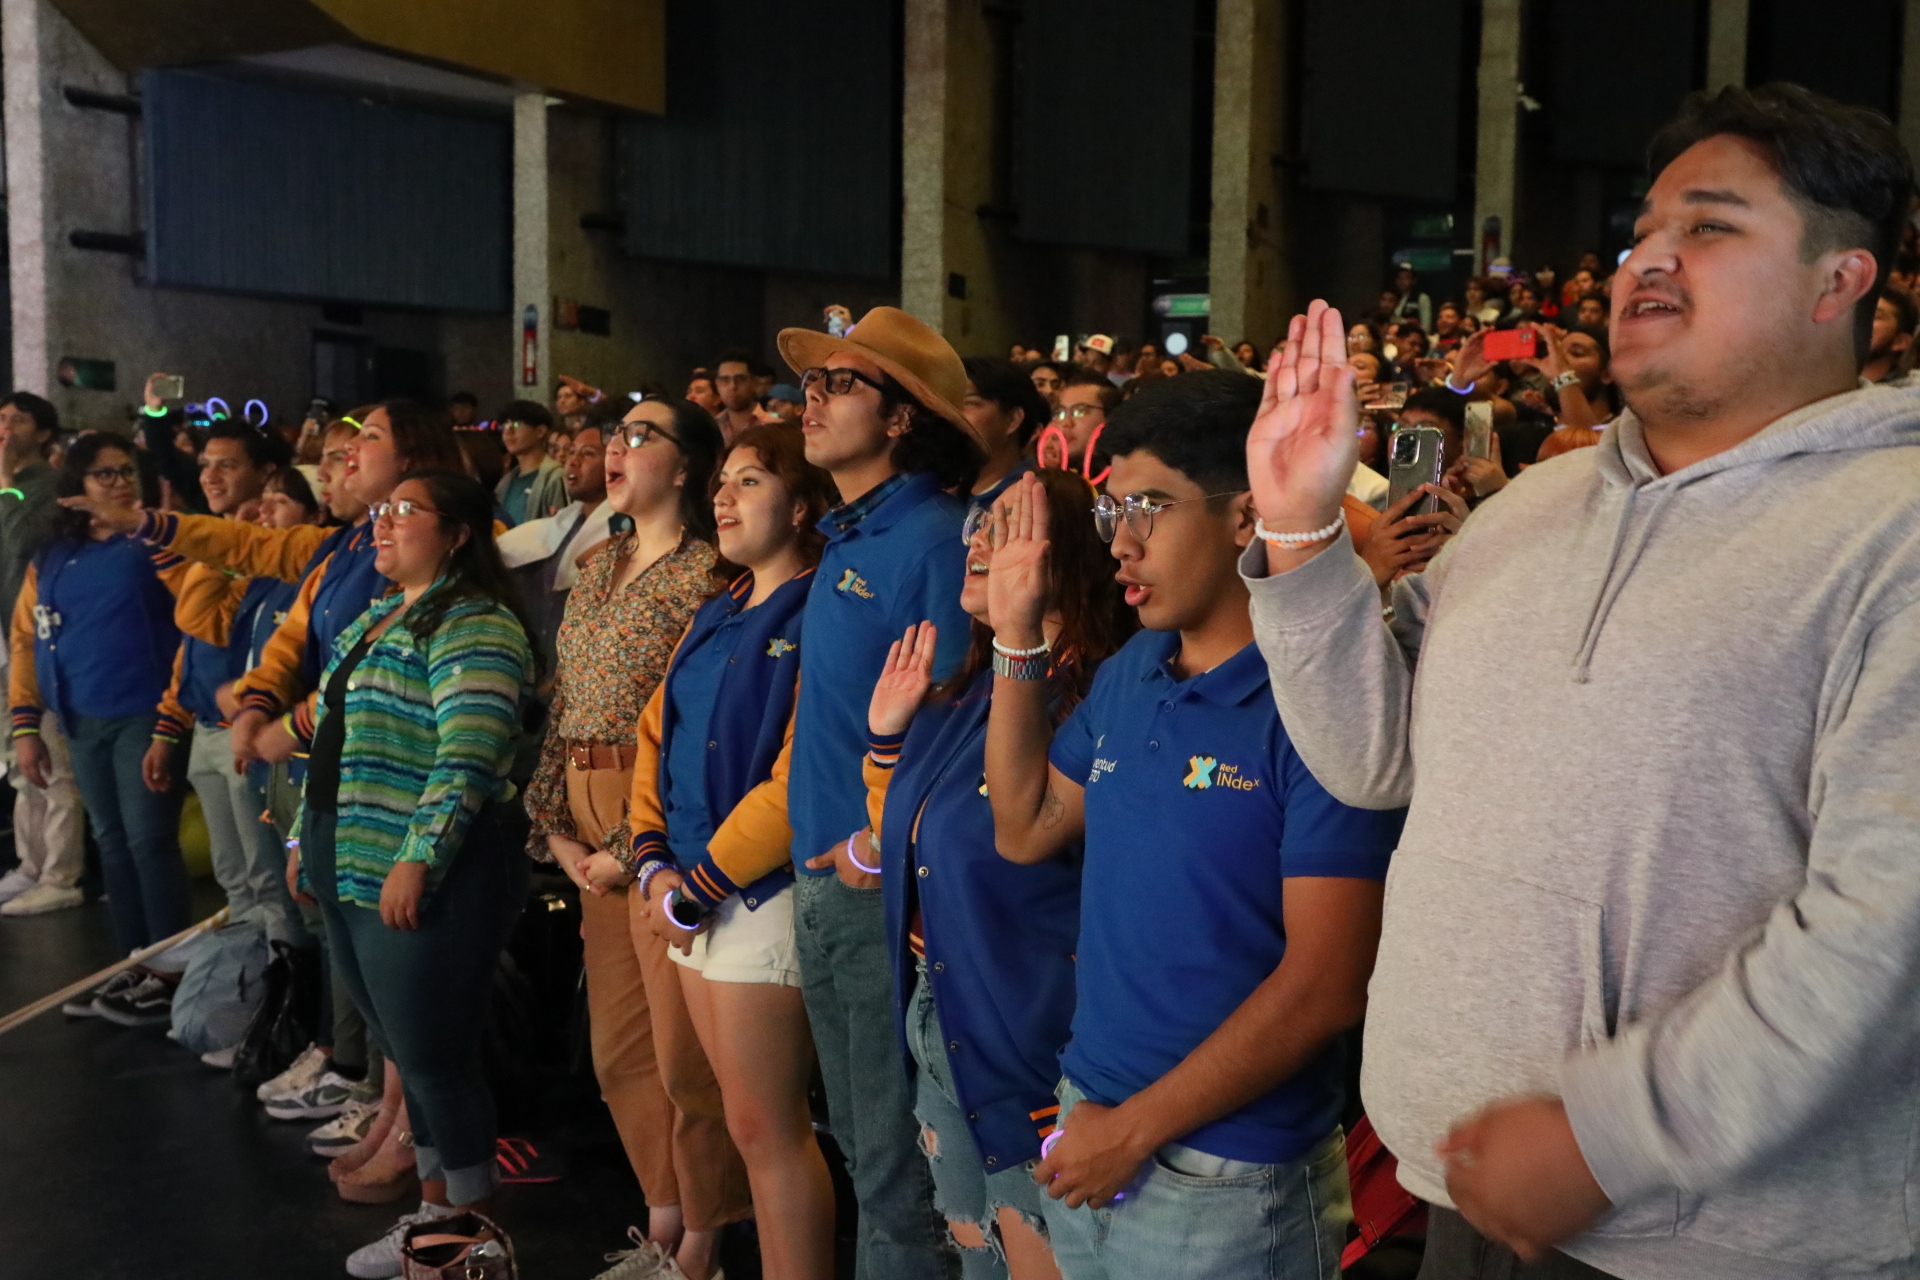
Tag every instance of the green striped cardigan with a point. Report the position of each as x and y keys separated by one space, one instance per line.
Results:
x=430 y=737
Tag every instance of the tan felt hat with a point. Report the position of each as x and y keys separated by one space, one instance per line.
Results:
x=911 y=352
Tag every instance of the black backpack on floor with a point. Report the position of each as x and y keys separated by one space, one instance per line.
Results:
x=287 y=1020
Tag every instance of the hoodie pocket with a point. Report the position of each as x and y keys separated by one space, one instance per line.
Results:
x=1483 y=986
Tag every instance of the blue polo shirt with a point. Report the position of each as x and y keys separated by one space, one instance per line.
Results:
x=1198 y=811
x=886 y=566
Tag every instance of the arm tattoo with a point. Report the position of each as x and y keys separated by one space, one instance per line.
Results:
x=1052 y=809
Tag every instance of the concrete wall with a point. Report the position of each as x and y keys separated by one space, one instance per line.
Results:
x=74 y=169
x=667 y=317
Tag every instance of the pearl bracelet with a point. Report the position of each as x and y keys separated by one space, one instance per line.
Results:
x=1045 y=646
x=1295 y=541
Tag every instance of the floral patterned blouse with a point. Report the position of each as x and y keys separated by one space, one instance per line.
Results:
x=613 y=650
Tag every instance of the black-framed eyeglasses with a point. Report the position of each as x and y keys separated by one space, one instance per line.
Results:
x=837 y=382
x=1138 y=510
x=636 y=435
x=400 y=510
x=107 y=475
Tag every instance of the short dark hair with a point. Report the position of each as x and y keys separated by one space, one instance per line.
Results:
x=1081 y=376
x=463 y=397
x=1598 y=332
x=1196 y=423
x=1843 y=167
x=529 y=413
x=1011 y=387
x=45 y=417
x=606 y=414
x=736 y=355
x=1441 y=403
x=289 y=481
x=1909 y=310
x=264 y=448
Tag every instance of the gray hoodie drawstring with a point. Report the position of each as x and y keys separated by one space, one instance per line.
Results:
x=1619 y=569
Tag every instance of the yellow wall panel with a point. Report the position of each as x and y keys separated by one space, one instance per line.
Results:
x=611 y=51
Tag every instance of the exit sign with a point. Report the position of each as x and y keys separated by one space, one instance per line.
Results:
x=1183 y=304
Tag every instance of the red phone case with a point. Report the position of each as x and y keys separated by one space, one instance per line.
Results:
x=1511 y=344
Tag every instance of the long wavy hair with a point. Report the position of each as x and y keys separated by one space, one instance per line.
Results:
x=1094 y=618
x=475 y=570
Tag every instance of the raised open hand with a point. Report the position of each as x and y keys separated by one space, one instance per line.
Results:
x=904 y=681
x=1302 y=448
x=1017 y=573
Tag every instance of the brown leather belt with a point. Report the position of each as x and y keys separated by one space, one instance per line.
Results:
x=602 y=755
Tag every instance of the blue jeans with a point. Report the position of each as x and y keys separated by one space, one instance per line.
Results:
x=842 y=940
x=138 y=830
x=963 y=1189
x=1192 y=1216
x=425 y=992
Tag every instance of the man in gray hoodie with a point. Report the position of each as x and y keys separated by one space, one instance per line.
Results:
x=1645 y=1001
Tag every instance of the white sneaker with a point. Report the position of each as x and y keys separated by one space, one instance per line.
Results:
x=344 y=1132
x=15 y=883
x=41 y=899
x=325 y=1098
x=644 y=1261
x=305 y=1070
x=381 y=1259
x=221 y=1059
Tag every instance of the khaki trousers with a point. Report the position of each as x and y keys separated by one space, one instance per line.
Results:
x=653 y=1074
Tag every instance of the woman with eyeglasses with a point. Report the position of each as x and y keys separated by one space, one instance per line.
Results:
x=635 y=596
x=93 y=640
x=981 y=949
x=406 y=836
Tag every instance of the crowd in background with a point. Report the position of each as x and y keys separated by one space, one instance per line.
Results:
x=967 y=737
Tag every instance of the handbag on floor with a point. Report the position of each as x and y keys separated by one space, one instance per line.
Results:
x=285 y=1023
x=467 y=1246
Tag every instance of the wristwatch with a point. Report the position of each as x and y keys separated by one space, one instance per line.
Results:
x=1565 y=380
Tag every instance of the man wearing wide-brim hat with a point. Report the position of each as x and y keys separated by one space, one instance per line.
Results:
x=882 y=416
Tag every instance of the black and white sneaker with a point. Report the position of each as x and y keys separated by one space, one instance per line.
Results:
x=323 y=1099
x=150 y=1004
x=86 y=1004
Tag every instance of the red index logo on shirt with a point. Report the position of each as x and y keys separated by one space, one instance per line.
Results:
x=1206 y=772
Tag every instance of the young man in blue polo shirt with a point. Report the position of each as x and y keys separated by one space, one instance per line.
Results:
x=883 y=418
x=1229 y=905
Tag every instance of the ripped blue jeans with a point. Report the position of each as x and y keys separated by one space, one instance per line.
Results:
x=963 y=1190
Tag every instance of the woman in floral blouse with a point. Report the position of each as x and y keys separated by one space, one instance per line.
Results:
x=634 y=598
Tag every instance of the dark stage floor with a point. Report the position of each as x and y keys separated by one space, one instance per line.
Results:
x=123 y=1158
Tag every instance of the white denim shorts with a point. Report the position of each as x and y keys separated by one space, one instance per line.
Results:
x=747 y=946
